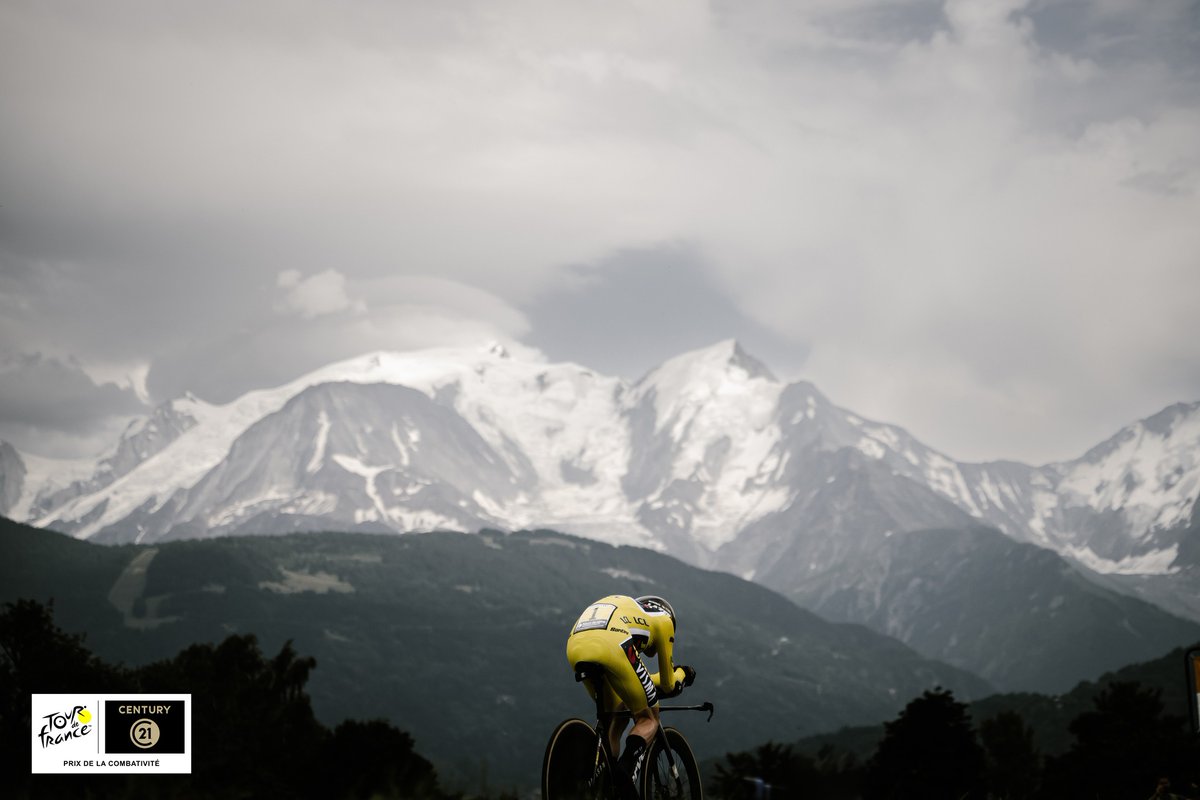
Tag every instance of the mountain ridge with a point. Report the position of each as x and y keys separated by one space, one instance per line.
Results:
x=985 y=489
x=708 y=457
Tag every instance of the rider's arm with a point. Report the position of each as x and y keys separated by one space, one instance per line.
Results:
x=669 y=677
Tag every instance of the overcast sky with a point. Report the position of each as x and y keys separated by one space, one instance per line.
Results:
x=978 y=220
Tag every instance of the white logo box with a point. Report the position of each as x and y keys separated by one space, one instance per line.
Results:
x=70 y=731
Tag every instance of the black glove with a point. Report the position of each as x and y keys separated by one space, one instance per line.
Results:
x=689 y=675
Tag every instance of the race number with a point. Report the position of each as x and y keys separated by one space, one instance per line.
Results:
x=595 y=617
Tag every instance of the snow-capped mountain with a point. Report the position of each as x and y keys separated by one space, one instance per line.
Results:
x=697 y=451
x=54 y=482
x=709 y=457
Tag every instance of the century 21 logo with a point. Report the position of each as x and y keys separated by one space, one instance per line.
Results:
x=144 y=724
x=60 y=727
x=145 y=733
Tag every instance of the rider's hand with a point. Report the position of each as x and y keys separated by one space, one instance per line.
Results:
x=689 y=675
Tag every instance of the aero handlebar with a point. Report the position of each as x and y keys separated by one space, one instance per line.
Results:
x=705 y=706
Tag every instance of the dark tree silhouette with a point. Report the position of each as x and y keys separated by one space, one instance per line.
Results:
x=1013 y=764
x=373 y=758
x=832 y=774
x=789 y=774
x=1123 y=747
x=38 y=658
x=251 y=719
x=253 y=729
x=929 y=752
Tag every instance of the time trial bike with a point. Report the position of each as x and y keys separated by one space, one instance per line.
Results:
x=579 y=766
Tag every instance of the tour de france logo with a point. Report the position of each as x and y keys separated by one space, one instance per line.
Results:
x=63 y=726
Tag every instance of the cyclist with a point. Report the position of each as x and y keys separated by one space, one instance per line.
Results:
x=612 y=633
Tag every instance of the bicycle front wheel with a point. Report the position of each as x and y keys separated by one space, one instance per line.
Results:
x=662 y=780
x=576 y=764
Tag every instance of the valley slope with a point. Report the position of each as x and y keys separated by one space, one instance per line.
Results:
x=460 y=638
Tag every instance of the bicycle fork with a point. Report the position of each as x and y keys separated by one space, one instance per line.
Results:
x=670 y=757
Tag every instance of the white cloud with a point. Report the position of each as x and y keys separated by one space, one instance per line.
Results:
x=315 y=296
x=404 y=313
x=982 y=200
x=964 y=264
x=53 y=407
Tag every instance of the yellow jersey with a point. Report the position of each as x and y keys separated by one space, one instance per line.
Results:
x=613 y=632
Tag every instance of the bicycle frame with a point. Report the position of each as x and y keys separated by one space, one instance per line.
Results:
x=598 y=683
